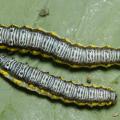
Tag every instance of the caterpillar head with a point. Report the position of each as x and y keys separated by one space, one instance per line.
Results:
x=4 y=62
x=8 y=63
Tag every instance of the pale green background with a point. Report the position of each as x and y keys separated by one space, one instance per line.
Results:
x=85 y=21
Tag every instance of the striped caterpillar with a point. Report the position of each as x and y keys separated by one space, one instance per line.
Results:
x=63 y=51
x=54 y=87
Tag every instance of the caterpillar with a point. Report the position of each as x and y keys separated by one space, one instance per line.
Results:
x=55 y=87
x=49 y=45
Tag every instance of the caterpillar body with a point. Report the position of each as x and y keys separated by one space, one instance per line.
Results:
x=63 y=51
x=54 y=87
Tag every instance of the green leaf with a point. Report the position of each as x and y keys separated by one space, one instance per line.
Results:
x=85 y=21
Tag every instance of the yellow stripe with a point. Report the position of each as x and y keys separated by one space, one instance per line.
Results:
x=47 y=93
x=33 y=52
x=62 y=39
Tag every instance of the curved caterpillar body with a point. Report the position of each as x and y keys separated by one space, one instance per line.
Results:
x=61 y=50
x=54 y=87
